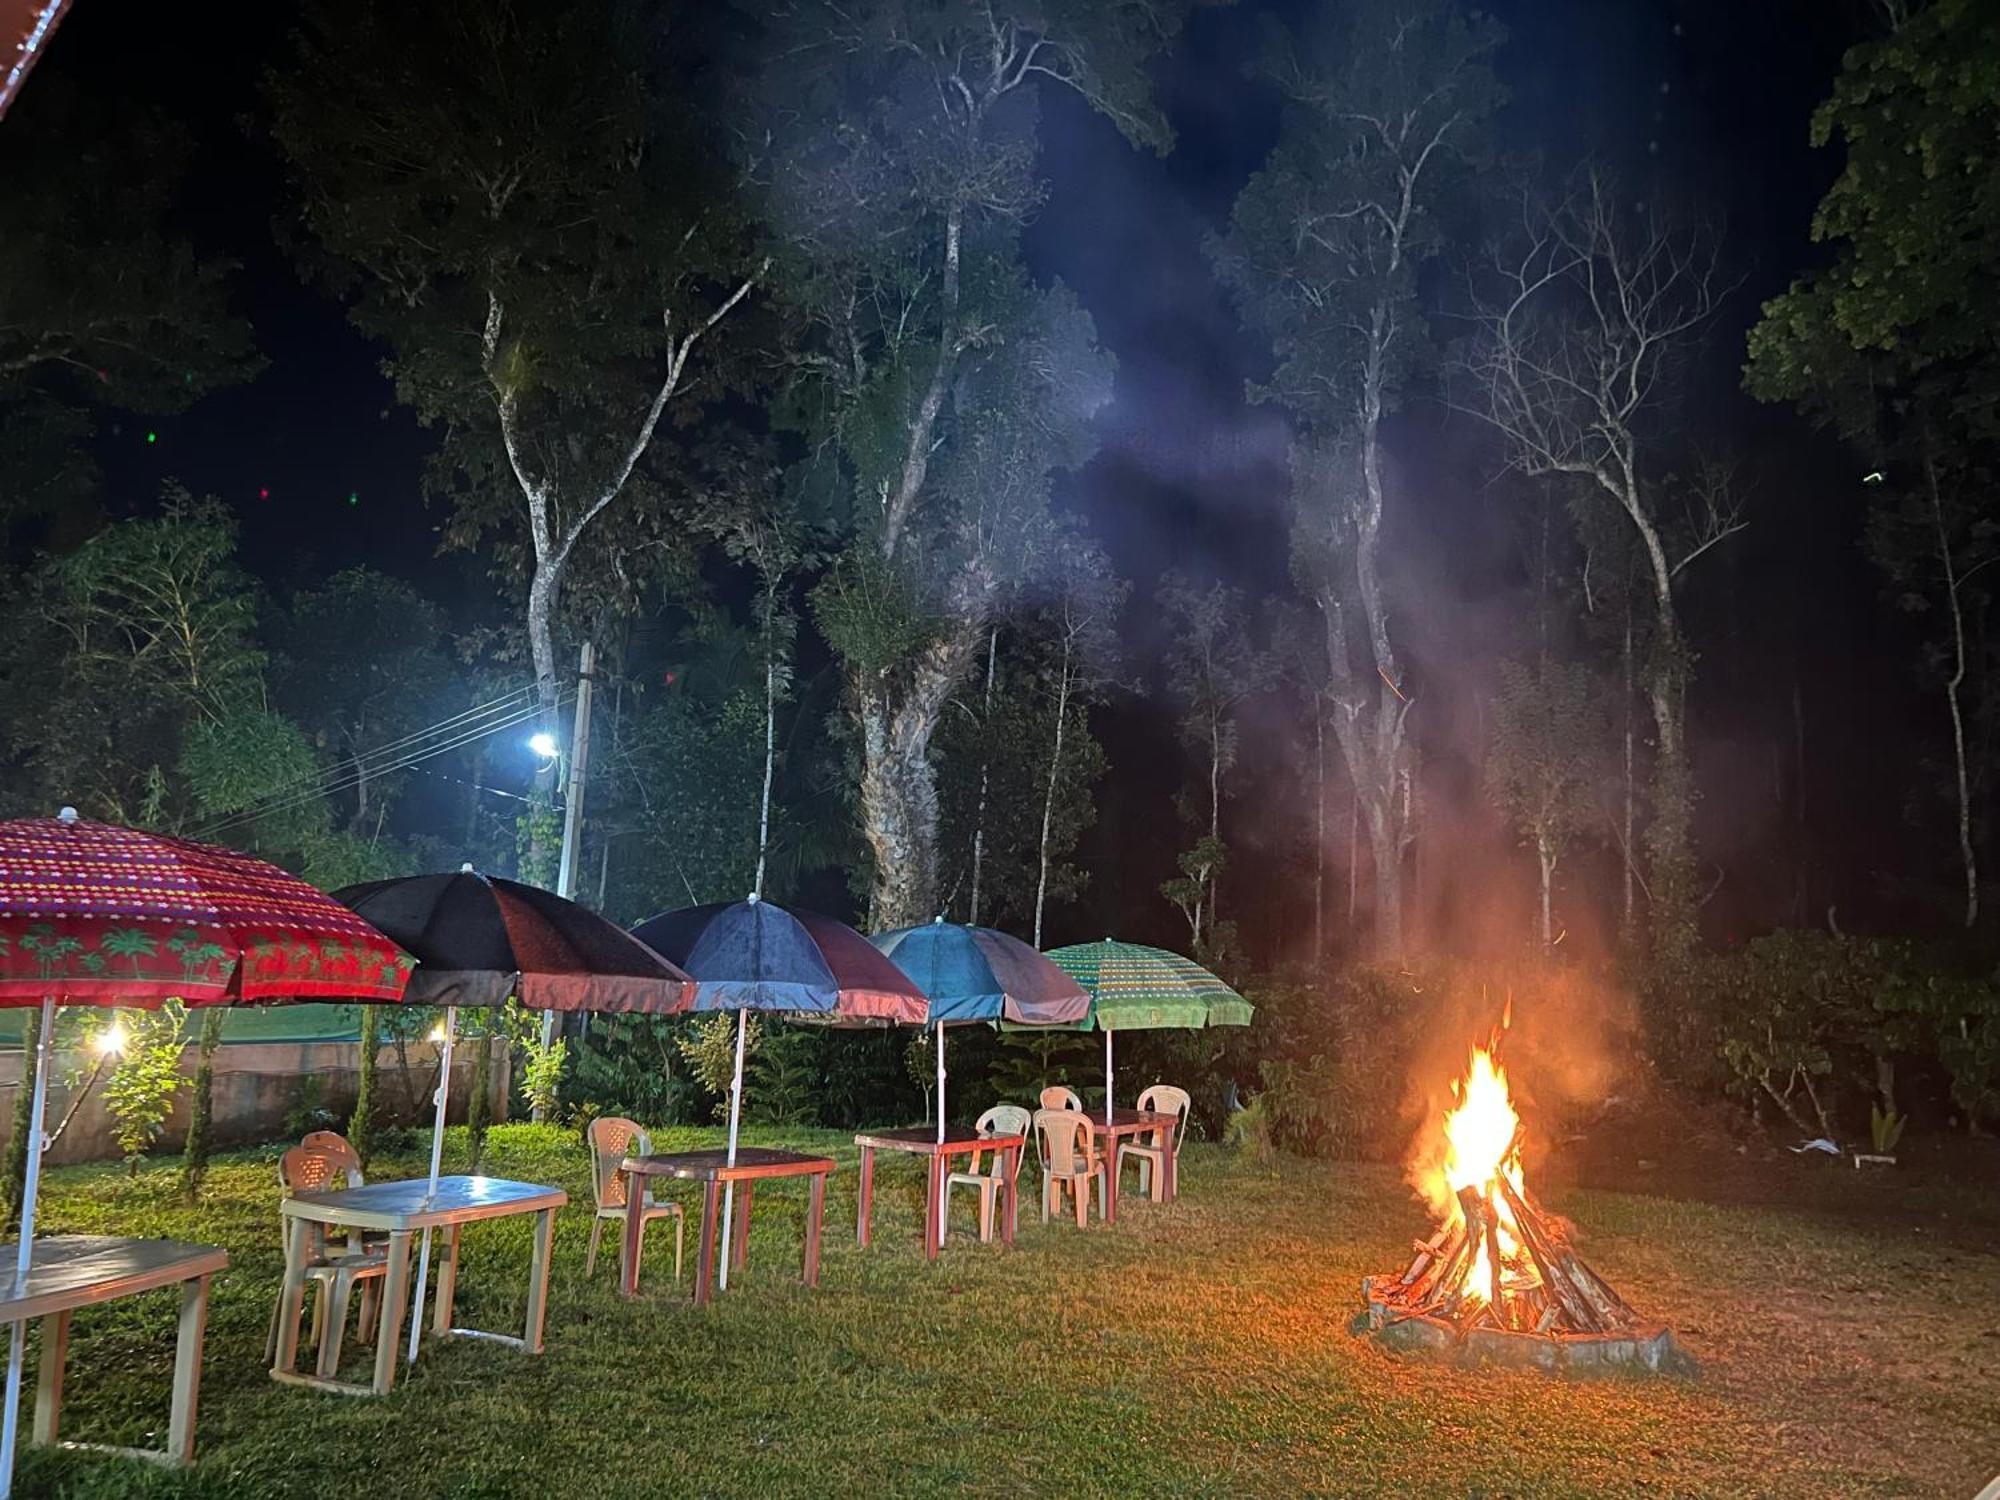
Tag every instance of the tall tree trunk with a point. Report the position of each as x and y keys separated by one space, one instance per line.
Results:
x=1547 y=855
x=1319 y=831
x=1629 y=912
x=899 y=803
x=1952 y=686
x=1385 y=848
x=1049 y=796
x=770 y=764
x=985 y=782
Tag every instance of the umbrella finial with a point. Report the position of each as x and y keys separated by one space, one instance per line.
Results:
x=466 y=868
x=67 y=815
x=937 y=919
x=753 y=898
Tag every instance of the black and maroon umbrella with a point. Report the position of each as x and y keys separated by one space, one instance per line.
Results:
x=478 y=939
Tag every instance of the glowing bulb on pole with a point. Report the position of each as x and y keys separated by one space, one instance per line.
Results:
x=110 y=1042
x=544 y=744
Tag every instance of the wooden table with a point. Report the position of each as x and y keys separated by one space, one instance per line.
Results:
x=405 y=1209
x=1126 y=1123
x=81 y=1270
x=922 y=1140
x=715 y=1172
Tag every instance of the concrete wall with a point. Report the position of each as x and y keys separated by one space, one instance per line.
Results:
x=258 y=1085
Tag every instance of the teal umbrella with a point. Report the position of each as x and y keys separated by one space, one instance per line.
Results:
x=1134 y=988
x=979 y=974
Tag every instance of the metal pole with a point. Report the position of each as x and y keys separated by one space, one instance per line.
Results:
x=735 y=1120
x=17 y=1348
x=1107 y=1075
x=442 y=1098
x=940 y=1066
x=579 y=766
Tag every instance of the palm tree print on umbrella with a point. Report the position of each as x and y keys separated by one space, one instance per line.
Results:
x=197 y=956
x=51 y=951
x=134 y=943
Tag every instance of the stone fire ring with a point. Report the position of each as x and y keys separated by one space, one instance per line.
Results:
x=1645 y=1349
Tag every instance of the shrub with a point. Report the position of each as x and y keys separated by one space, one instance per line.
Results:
x=632 y=1065
x=141 y=1092
x=201 y=1110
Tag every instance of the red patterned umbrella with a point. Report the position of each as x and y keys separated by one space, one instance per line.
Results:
x=94 y=914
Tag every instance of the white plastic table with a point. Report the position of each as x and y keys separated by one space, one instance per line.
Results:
x=402 y=1210
x=81 y=1270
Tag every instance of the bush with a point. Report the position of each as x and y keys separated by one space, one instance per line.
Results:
x=141 y=1092
x=201 y=1110
x=633 y=1066
x=1815 y=1025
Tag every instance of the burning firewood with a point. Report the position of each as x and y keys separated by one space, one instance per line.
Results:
x=1499 y=1278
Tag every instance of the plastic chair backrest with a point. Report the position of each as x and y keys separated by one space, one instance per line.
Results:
x=1062 y=1140
x=1057 y=1096
x=332 y=1143
x=304 y=1170
x=611 y=1140
x=1001 y=1119
x=1164 y=1098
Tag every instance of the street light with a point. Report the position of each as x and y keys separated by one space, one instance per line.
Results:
x=110 y=1042
x=544 y=744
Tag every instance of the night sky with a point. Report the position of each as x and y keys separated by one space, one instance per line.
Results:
x=1706 y=102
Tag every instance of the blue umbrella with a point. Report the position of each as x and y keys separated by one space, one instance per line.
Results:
x=980 y=974
x=754 y=955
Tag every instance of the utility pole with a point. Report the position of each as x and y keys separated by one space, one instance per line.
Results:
x=572 y=838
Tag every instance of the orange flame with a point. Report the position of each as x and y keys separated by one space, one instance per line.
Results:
x=1481 y=1145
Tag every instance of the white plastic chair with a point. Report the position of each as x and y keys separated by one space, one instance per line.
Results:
x=1056 y=1096
x=1002 y=1119
x=1162 y=1098
x=1063 y=1145
x=612 y=1139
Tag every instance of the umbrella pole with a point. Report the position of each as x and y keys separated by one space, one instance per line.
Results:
x=1107 y=1076
x=17 y=1349
x=940 y=1081
x=735 y=1120
x=443 y=1097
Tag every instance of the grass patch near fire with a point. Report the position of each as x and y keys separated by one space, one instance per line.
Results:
x=1195 y=1348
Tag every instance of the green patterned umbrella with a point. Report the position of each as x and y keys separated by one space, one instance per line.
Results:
x=1133 y=987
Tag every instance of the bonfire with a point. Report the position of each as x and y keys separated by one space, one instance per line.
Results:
x=1499 y=1279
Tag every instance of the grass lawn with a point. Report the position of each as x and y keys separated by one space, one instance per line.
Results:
x=1195 y=1348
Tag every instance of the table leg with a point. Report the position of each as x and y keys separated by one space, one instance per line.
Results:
x=395 y=1303
x=740 y=1256
x=187 y=1371
x=1110 y=1160
x=934 y=1206
x=704 y=1257
x=292 y=1296
x=447 y=1285
x=1008 y=1218
x=635 y=1232
x=538 y=1277
x=866 y=1199
x=49 y=1378
x=815 y=1213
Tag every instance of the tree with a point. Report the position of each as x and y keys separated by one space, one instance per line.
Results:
x=99 y=305
x=1541 y=765
x=361 y=663
x=536 y=230
x=1582 y=321
x=1383 y=106
x=1019 y=761
x=1212 y=667
x=938 y=388
x=1886 y=343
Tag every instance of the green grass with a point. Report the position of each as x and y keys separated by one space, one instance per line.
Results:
x=1196 y=1348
